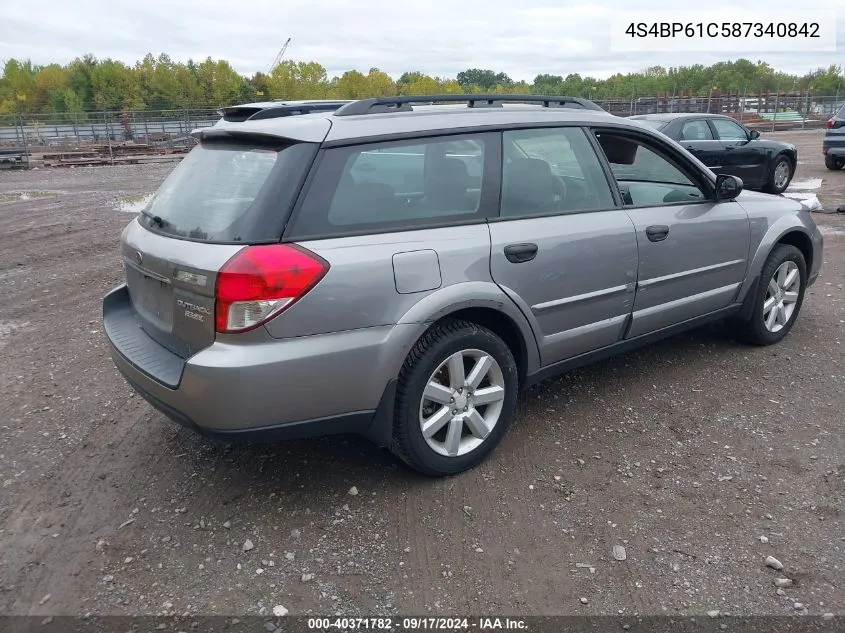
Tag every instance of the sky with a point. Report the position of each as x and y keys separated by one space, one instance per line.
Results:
x=437 y=37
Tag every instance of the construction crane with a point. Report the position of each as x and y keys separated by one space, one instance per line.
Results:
x=279 y=56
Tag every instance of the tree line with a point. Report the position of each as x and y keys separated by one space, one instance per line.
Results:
x=88 y=84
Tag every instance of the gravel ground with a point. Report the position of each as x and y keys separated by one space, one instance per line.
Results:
x=698 y=455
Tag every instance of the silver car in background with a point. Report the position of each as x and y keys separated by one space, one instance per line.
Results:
x=401 y=271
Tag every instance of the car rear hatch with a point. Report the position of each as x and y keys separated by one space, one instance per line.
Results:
x=835 y=132
x=231 y=191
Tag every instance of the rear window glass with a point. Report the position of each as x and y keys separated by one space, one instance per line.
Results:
x=657 y=124
x=389 y=186
x=224 y=191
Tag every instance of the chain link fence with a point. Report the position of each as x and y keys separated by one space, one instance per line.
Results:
x=764 y=112
x=93 y=138
x=136 y=135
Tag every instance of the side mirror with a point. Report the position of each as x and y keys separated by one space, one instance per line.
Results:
x=727 y=187
x=753 y=134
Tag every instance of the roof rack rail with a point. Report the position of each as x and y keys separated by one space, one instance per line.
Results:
x=272 y=110
x=403 y=103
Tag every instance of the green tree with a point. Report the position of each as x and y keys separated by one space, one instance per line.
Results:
x=380 y=84
x=425 y=85
x=113 y=86
x=18 y=91
x=158 y=83
x=218 y=83
x=49 y=80
x=487 y=80
x=352 y=85
x=89 y=84
x=298 y=80
x=79 y=73
x=69 y=104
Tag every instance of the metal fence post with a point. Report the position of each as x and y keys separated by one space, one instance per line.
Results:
x=777 y=101
x=25 y=142
x=108 y=137
x=806 y=109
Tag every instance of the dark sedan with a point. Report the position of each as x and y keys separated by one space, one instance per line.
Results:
x=727 y=147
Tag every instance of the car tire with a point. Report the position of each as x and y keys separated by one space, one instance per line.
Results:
x=776 y=292
x=440 y=364
x=832 y=163
x=775 y=183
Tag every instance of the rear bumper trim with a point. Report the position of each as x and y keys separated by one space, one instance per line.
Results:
x=834 y=147
x=356 y=423
x=134 y=345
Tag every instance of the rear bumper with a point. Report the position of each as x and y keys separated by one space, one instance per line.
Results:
x=262 y=389
x=834 y=147
x=818 y=256
x=369 y=424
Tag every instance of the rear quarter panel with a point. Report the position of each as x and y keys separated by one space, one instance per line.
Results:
x=360 y=289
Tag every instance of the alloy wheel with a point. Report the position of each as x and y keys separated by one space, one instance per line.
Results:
x=462 y=402
x=781 y=174
x=781 y=296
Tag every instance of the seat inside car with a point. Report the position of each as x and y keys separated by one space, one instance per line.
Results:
x=447 y=185
x=695 y=132
x=529 y=184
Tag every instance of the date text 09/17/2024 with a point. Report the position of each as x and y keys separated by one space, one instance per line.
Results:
x=417 y=624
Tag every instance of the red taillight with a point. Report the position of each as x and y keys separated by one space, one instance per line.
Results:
x=829 y=124
x=261 y=281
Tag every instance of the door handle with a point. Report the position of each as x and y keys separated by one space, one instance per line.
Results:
x=519 y=253
x=657 y=233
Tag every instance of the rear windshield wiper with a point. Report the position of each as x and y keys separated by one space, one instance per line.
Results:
x=155 y=219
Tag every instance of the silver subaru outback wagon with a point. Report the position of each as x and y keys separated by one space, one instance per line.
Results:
x=401 y=271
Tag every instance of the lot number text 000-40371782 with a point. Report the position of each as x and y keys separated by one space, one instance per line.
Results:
x=734 y=31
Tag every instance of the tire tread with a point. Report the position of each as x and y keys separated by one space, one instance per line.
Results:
x=751 y=330
x=437 y=332
x=770 y=181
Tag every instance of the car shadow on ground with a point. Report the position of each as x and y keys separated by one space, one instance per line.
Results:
x=336 y=463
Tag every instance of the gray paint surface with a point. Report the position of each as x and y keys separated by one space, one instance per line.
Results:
x=596 y=280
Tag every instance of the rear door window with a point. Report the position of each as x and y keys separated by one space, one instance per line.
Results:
x=696 y=130
x=657 y=124
x=225 y=192
x=400 y=184
x=551 y=170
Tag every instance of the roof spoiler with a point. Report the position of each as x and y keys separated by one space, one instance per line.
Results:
x=249 y=112
x=403 y=103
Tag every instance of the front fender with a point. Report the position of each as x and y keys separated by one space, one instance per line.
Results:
x=452 y=298
x=774 y=234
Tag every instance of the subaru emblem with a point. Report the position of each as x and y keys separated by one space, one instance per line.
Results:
x=139 y=257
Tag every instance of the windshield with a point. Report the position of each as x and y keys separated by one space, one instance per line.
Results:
x=226 y=191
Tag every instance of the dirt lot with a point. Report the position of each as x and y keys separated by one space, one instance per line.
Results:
x=687 y=453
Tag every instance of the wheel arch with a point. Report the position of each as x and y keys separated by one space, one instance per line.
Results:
x=791 y=156
x=784 y=231
x=802 y=242
x=502 y=326
x=482 y=303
